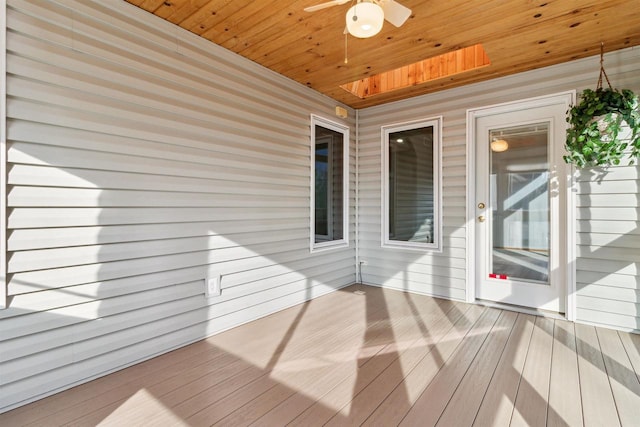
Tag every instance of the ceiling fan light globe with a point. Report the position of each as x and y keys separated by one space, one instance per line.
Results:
x=364 y=19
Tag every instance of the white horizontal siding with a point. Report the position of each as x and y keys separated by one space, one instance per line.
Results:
x=139 y=157
x=608 y=245
x=435 y=273
x=608 y=227
x=608 y=206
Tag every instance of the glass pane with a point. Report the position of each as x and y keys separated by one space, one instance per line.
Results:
x=322 y=189
x=411 y=196
x=328 y=185
x=519 y=197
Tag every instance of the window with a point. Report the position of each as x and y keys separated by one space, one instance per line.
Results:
x=329 y=184
x=411 y=189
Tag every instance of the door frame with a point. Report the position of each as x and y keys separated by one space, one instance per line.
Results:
x=566 y=98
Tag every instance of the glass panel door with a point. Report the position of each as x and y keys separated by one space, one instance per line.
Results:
x=520 y=204
x=519 y=194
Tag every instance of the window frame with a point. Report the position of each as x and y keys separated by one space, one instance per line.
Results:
x=385 y=131
x=344 y=130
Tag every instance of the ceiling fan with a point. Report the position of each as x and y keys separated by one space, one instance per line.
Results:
x=365 y=18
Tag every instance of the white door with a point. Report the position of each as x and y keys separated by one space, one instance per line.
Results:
x=520 y=205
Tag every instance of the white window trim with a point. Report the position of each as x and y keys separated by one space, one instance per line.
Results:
x=344 y=130
x=436 y=246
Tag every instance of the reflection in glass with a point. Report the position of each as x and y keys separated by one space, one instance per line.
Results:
x=328 y=185
x=519 y=194
x=411 y=180
x=322 y=188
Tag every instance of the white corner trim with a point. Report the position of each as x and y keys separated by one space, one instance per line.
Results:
x=357 y=204
x=571 y=249
x=3 y=154
x=470 y=229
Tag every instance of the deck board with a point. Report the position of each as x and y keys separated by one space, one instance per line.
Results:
x=363 y=403
x=598 y=403
x=428 y=407
x=394 y=408
x=631 y=344
x=533 y=392
x=624 y=382
x=565 y=406
x=382 y=358
x=339 y=397
x=499 y=397
x=464 y=404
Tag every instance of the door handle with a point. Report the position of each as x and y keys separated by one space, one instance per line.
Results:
x=481 y=218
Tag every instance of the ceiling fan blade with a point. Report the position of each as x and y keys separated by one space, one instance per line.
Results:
x=394 y=12
x=325 y=5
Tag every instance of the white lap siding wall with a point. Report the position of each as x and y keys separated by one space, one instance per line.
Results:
x=608 y=207
x=140 y=159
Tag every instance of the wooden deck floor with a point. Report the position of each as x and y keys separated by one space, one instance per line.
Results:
x=384 y=358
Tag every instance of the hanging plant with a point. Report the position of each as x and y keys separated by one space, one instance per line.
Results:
x=604 y=127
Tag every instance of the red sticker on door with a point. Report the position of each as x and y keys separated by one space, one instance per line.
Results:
x=497 y=276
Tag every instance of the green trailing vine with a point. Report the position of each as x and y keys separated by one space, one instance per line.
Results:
x=604 y=127
x=594 y=136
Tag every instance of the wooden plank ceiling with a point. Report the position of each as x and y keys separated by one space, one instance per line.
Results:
x=517 y=35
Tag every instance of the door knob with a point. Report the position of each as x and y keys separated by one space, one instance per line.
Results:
x=480 y=205
x=481 y=218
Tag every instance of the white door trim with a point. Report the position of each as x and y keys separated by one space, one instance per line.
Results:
x=568 y=98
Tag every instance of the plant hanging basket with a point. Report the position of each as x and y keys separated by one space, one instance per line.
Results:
x=604 y=127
